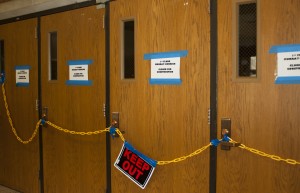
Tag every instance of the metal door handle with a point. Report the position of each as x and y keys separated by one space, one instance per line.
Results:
x=226 y=130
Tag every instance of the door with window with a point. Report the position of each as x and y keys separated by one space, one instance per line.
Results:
x=163 y=119
x=73 y=92
x=264 y=115
x=18 y=50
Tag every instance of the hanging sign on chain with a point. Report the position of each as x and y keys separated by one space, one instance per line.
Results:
x=165 y=67
x=136 y=166
x=288 y=63
x=22 y=75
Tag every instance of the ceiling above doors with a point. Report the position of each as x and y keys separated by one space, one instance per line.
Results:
x=15 y=8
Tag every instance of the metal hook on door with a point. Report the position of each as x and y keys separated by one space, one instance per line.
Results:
x=45 y=113
x=226 y=131
x=115 y=123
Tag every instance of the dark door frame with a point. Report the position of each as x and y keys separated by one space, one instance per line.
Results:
x=213 y=93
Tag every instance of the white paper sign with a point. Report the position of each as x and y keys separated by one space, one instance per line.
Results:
x=165 y=68
x=22 y=76
x=288 y=64
x=78 y=72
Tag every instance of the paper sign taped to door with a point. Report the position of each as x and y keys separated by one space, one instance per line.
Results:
x=288 y=63
x=79 y=72
x=136 y=166
x=165 y=67
x=22 y=75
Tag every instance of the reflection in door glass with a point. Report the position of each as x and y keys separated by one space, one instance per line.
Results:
x=128 y=50
x=53 y=56
x=247 y=40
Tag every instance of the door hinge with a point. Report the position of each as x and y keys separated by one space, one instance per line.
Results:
x=36 y=104
x=103 y=21
x=208 y=116
x=104 y=109
x=208 y=7
x=35 y=33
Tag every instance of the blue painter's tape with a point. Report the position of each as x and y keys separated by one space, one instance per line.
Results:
x=288 y=80
x=79 y=82
x=22 y=84
x=215 y=142
x=181 y=53
x=165 y=81
x=43 y=122
x=2 y=77
x=112 y=131
x=147 y=159
x=25 y=67
x=80 y=62
x=226 y=138
x=285 y=48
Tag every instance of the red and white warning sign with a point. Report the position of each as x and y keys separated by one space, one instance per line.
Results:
x=136 y=166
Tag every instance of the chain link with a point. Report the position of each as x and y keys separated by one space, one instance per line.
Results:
x=76 y=132
x=179 y=159
x=198 y=151
x=263 y=154
x=12 y=125
x=39 y=122
x=120 y=134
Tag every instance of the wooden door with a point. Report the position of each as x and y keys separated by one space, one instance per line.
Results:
x=19 y=162
x=163 y=121
x=264 y=115
x=74 y=163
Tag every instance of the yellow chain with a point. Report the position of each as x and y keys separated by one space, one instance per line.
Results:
x=76 y=132
x=12 y=125
x=120 y=134
x=263 y=154
x=49 y=123
x=198 y=151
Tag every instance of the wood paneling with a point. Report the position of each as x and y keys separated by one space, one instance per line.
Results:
x=163 y=121
x=75 y=163
x=3 y=1
x=19 y=163
x=264 y=115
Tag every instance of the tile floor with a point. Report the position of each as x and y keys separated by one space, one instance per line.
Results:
x=7 y=190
